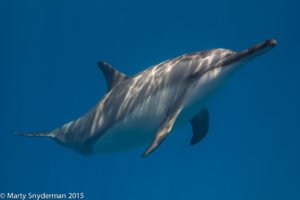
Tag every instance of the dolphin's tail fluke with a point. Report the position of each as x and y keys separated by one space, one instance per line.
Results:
x=37 y=134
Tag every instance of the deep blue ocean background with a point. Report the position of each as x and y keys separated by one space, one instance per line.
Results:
x=48 y=76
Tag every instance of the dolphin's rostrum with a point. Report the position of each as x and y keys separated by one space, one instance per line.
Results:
x=148 y=106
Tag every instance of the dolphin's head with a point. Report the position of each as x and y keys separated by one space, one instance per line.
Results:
x=225 y=58
x=219 y=64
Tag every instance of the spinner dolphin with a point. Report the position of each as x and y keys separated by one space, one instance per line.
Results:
x=145 y=108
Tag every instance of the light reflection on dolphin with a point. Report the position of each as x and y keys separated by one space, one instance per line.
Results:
x=153 y=103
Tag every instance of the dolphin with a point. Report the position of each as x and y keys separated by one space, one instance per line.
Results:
x=145 y=108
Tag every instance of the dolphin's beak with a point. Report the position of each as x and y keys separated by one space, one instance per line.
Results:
x=254 y=51
x=259 y=48
x=271 y=42
x=245 y=55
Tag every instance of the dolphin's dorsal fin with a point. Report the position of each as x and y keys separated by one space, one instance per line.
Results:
x=112 y=76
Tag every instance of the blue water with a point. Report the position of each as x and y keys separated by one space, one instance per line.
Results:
x=48 y=76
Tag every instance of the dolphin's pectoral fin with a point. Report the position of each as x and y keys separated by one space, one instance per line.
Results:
x=167 y=124
x=200 y=125
x=163 y=130
x=112 y=76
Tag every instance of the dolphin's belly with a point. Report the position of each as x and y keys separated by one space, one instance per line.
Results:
x=201 y=92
